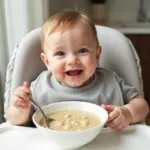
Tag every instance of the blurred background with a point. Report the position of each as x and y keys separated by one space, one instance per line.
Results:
x=131 y=17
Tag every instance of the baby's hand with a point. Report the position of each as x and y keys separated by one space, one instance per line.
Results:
x=119 y=117
x=21 y=97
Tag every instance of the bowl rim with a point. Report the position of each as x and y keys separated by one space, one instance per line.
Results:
x=69 y=132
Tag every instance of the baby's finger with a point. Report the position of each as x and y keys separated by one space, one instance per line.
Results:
x=19 y=101
x=115 y=127
x=26 y=85
x=24 y=89
x=114 y=123
x=22 y=95
x=109 y=108
x=114 y=114
x=119 y=127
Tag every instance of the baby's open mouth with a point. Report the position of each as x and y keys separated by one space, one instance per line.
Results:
x=74 y=72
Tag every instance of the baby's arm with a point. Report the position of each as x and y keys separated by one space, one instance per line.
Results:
x=138 y=108
x=19 y=112
x=135 y=109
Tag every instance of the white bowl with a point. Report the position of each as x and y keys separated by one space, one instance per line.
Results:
x=76 y=139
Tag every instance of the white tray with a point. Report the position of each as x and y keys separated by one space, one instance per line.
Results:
x=136 y=137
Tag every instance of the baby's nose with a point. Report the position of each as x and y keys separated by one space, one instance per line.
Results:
x=73 y=59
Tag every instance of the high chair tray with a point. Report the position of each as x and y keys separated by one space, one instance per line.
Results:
x=136 y=137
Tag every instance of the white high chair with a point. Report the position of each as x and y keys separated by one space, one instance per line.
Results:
x=118 y=54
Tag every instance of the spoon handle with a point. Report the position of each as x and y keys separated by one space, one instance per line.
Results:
x=37 y=106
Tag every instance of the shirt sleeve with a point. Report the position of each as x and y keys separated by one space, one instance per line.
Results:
x=128 y=91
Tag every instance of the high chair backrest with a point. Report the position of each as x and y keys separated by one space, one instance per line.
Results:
x=118 y=54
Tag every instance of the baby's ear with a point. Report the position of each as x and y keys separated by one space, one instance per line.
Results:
x=45 y=60
x=98 y=54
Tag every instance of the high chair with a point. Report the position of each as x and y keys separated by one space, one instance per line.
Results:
x=118 y=54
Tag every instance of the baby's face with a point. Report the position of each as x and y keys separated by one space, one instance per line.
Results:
x=72 y=55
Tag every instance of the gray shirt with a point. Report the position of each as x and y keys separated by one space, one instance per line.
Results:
x=106 y=87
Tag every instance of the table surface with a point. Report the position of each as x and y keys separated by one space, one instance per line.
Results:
x=136 y=137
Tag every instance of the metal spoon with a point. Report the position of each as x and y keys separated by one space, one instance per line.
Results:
x=47 y=120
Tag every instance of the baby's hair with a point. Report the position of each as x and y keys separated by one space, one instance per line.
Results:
x=63 y=20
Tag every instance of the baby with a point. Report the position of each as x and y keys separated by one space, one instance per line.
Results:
x=71 y=52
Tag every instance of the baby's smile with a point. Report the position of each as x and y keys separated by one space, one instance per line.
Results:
x=74 y=73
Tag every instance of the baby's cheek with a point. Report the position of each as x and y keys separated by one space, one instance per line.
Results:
x=91 y=63
x=57 y=72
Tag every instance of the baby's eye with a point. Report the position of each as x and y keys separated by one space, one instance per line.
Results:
x=59 y=54
x=82 y=50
